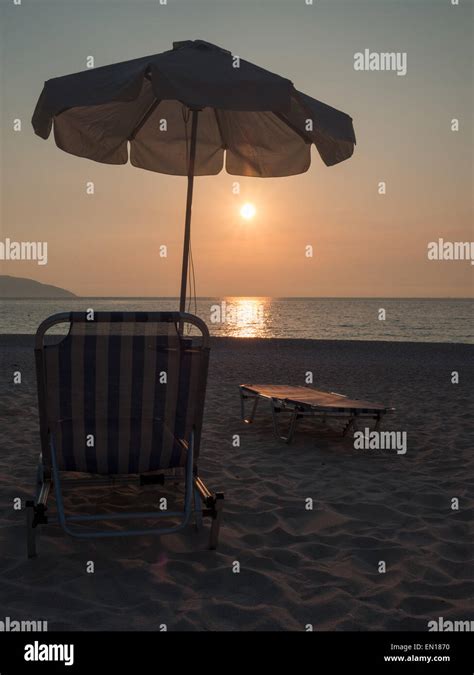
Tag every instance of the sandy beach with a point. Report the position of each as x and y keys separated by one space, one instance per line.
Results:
x=297 y=566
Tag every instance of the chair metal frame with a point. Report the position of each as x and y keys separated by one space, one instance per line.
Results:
x=198 y=498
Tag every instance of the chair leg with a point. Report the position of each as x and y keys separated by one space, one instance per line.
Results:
x=30 y=529
x=216 y=520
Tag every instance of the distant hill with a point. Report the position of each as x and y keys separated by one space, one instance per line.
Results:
x=18 y=287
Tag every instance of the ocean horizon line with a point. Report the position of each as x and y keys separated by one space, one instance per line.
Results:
x=222 y=297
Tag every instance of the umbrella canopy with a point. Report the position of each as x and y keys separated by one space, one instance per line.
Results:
x=185 y=112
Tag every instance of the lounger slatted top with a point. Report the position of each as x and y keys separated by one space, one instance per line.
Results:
x=300 y=401
x=323 y=400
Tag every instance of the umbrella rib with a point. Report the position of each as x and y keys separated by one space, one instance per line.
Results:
x=223 y=143
x=300 y=133
x=151 y=108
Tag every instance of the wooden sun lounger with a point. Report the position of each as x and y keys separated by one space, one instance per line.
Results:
x=299 y=402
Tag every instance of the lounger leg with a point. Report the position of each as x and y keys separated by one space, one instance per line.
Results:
x=248 y=420
x=216 y=520
x=351 y=424
x=197 y=509
x=242 y=404
x=291 y=430
x=30 y=530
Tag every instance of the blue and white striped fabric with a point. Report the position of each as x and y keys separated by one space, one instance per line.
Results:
x=121 y=390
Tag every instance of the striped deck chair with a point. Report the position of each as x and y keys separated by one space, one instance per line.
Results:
x=121 y=396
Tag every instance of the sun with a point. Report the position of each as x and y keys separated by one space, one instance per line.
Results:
x=248 y=211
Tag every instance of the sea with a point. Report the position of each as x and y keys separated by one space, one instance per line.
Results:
x=392 y=319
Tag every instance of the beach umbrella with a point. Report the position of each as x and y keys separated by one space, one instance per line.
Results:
x=186 y=112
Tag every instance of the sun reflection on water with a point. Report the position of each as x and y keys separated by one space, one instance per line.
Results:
x=243 y=317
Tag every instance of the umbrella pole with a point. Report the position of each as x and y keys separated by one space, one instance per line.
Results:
x=187 y=223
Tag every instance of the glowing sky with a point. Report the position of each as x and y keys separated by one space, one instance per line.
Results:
x=364 y=244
